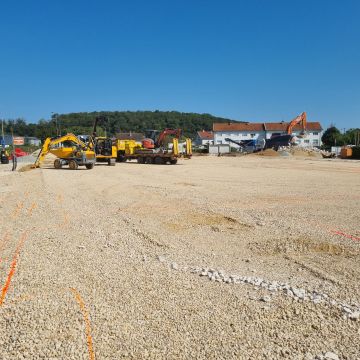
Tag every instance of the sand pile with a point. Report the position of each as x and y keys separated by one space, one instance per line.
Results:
x=27 y=167
x=268 y=152
x=304 y=152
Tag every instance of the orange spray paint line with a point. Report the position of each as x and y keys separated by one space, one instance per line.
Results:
x=12 y=269
x=85 y=313
x=32 y=208
x=65 y=221
x=19 y=206
x=340 y=233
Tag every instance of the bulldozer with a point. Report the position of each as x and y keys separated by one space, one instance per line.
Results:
x=69 y=150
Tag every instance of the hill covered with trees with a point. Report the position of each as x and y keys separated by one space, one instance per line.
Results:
x=118 y=121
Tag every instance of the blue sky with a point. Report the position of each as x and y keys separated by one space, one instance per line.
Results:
x=254 y=60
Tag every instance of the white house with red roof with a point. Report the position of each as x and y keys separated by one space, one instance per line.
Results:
x=239 y=131
x=204 y=137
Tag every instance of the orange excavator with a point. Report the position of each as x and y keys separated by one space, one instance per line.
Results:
x=154 y=149
x=299 y=119
x=151 y=143
x=287 y=139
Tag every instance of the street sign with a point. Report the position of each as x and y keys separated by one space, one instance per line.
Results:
x=19 y=140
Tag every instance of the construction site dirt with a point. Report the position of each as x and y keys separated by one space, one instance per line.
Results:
x=253 y=257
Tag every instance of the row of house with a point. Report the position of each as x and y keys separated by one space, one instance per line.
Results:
x=239 y=131
x=7 y=140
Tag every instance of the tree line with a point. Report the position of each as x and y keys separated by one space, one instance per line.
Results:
x=118 y=121
x=139 y=121
x=333 y=137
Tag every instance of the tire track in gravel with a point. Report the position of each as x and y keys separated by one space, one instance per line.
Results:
x=83 y=308
x=4 y=241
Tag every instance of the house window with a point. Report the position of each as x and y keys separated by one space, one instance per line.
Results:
x=315 y=133
x=252 y=135
x=307 y=141
x=315 y=142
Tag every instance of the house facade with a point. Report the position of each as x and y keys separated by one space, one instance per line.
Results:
x=230 y=133
x=204 y=138
x=29 y=140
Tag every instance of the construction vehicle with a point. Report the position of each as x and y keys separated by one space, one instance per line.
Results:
x=247 y=146
x=69 y=150
x=278 y=141
x=299 y=119
x=103 y=146
x=287 y=139
x=156 y=139
x=4 y=156
x=154 y=151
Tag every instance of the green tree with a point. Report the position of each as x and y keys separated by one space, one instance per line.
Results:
x=352 y=137
x=118 y=121
x=332 y=137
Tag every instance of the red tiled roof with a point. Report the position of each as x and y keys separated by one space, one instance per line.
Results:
x=238 y=126
x=279 y=126
x=205 y=135
x=282 y=126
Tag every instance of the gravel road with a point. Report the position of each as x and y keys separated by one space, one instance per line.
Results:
x=214 y=258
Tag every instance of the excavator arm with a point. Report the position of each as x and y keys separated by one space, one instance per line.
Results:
x=299 y=119
x=50 y=142
x=164 y=133
x=98 y=120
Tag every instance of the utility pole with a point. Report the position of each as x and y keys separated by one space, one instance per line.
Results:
x=2 y=134
x=54 y=117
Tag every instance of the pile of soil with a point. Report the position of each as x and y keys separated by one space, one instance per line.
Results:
x=268 y=152
x=305 y=152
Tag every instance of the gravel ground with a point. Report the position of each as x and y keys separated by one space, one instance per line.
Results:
x=214 y=258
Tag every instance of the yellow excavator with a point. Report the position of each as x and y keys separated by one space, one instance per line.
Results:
x=69 y=150
x=104 y=148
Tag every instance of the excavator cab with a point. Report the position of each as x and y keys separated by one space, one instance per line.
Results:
x=103 y=146
x=104 y=149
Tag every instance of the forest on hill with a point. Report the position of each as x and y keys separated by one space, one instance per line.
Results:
x=118 y=121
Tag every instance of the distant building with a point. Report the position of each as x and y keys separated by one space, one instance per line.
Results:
x=29 y=140
x=204 y=138
x=6 y=141
x=130 y=136
x=259 y=131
